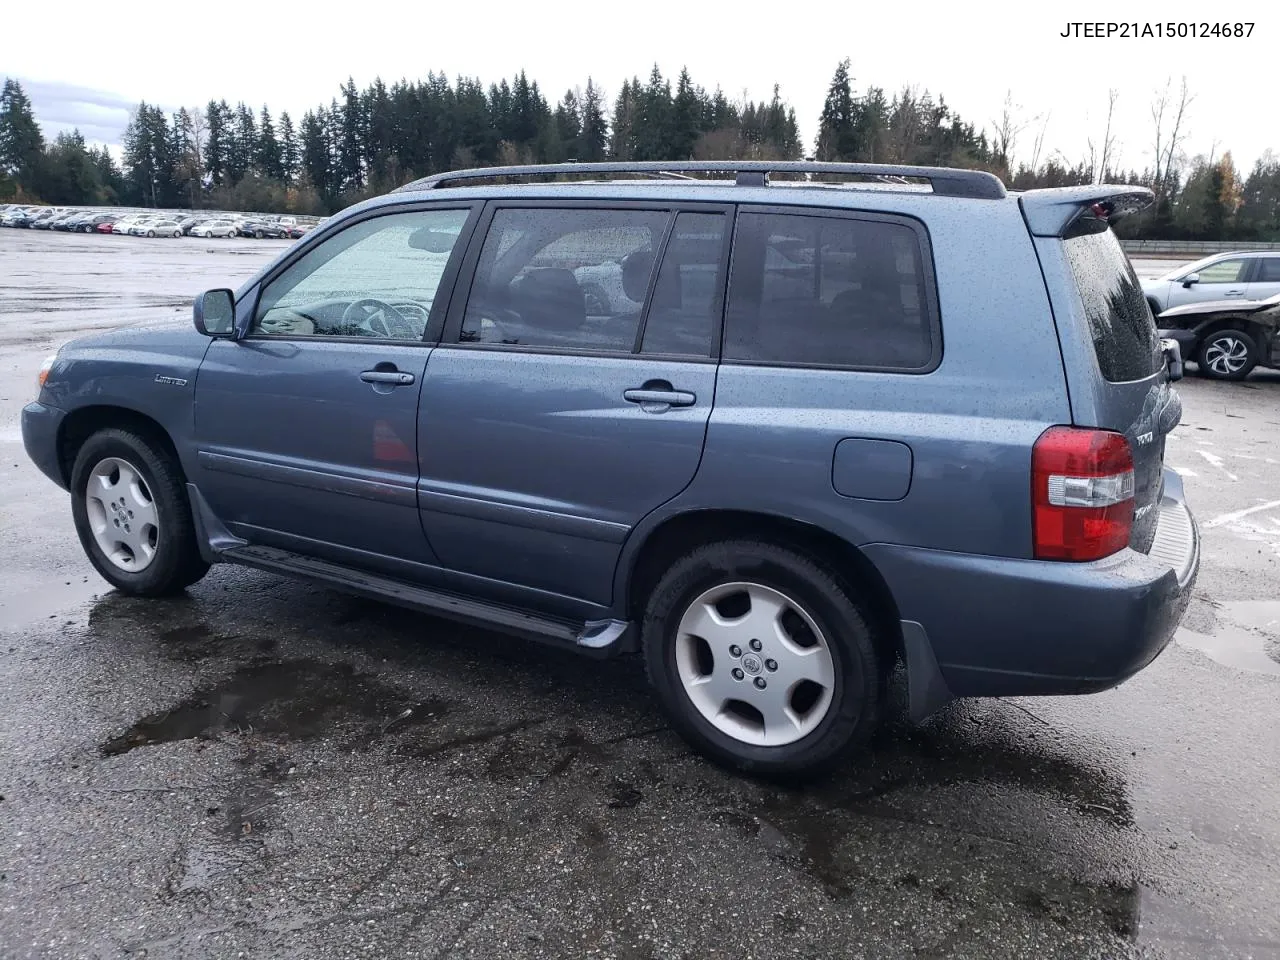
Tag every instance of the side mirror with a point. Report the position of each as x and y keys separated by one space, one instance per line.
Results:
x=1190 y=278
x=214 y=313
x=1172 y=351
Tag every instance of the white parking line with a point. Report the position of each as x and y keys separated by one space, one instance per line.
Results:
x=1216 y=460
x=1241 y=514
x=1184 y=471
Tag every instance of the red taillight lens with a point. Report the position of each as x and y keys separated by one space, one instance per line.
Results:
x=1081 y=494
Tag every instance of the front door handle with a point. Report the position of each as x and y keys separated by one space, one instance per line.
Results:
x=397 y=378
x=672 y=398
x=1234 y=293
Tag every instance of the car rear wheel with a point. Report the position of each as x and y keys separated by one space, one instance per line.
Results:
x=1227 y=355
x=132 y=515
x=761 y=659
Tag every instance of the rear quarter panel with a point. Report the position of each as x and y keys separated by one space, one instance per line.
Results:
x=970 y=423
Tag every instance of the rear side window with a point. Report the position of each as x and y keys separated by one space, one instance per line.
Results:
x=1124 y=334
x=1269 y=270
x=828 y=291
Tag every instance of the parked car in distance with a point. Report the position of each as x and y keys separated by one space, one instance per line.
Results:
x=1226 y=338
x=96 y=221
x=774 y=486
x=261 y=228
x=125 y=224
x=106 y=226
x=214 y=228
x=161 y=228
x=1247 y=275
x=187 y=224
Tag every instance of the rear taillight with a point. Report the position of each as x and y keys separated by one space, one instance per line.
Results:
x=1081 y=493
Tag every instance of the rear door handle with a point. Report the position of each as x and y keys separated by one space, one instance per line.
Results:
x=397 y=378
x=672 y=398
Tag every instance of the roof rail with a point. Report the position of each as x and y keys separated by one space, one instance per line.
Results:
x=945 y=181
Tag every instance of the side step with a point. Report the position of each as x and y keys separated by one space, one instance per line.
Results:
x=595 y=638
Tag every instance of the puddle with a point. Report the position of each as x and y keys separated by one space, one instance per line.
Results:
x=295 y=699
x=1233 y=646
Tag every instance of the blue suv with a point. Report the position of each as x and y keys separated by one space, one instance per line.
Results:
x=776 y=427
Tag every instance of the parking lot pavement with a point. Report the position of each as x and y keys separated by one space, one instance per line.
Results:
x=265 y=768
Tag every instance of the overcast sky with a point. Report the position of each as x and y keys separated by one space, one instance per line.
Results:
x=93 y=61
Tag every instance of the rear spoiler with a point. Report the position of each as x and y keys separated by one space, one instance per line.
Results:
x=1053 y=212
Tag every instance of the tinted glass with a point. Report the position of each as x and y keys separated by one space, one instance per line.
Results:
x=1225 y=271
x=375 y=279
x=563 y=278
x=686 y=296
x=1268 y=270
x=827 y=292
x=1124 y=334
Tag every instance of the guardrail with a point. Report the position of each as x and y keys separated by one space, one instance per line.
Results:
x=1197 y=248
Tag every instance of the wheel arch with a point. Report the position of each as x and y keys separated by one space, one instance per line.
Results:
x=83 y=422
x=673 y=537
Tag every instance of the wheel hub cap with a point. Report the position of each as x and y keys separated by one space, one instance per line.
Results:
x=1226 y=355
x=754 y=664
x=122 y=514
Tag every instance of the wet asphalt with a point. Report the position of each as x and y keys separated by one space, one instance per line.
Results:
x=264 y=768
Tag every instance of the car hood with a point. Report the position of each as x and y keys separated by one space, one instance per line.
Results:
x=162 y=334
x=1236 y=307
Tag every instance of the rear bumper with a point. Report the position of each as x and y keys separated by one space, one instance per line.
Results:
x=40 y=424
x=998 y=627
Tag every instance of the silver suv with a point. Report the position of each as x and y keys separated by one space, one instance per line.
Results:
x=1223 y=276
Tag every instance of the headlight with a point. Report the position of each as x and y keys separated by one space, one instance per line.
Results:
x=45 y=368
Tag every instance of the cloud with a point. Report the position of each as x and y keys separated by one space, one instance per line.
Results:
x=100 y=115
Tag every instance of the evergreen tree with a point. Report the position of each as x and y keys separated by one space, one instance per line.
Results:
x=568 y=124
x=686 y=118
x=836 y=130
x=290 y=152
x=242 y=148
x=21 y=142
x=350 y=138
x=269 y=156
x=217 y=140
x=593 y=140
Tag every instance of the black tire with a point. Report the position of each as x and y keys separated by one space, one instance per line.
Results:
x=858 y=684
x=151 y=233
x=258 y=234
x=177 y=563
x=1212 y=349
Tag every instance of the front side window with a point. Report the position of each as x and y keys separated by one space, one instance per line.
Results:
x=572 y=278
x=827 y=291
x=1224 y=271
x=375 y=279
x=686 y=295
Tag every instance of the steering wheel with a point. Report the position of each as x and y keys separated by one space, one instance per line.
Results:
x=380 y=319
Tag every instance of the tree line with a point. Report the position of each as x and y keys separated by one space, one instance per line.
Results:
x=367 y=141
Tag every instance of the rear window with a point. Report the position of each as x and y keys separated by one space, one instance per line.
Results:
x=1124 y=334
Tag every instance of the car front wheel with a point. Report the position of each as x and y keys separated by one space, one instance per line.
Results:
x=132 y=515
x=762 y=660
x=1227 y=355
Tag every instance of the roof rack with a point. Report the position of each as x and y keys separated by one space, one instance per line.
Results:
x=945 y=181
